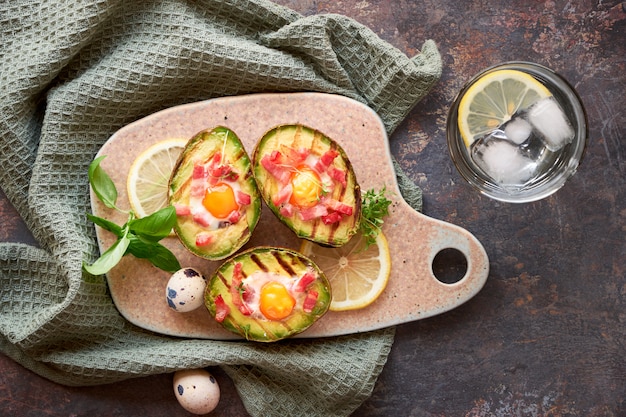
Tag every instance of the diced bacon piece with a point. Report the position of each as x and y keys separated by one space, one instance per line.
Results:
x=338 y=175
x=248 y=295
x=182 y=209
x=332 y=217
x=198 y=187
x=329 y=156
x=237 y=274
x=237 y=290
x=304 y=281
x=235 y=284
x=204 y=239
x=245 y=309
x=221 y=309
x=243 y=199
x=336 y=205
x=304 y=152
x=212 y=181
x=218 y=173
x=272 y=165
x=284 y=194
x=203 y=218
x=215 y=159
x=309 y=301
x=326 y=159
x=291 y=156
x=287 y=210
x=222 y=171
x=234 y=216
x=310 y=213
x=232 y=176
x=198 y=172
x=217 y=170
x=275 y=156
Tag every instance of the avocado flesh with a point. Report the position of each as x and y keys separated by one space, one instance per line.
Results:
x=229 y=237
x=301 y=137
x=281 y=261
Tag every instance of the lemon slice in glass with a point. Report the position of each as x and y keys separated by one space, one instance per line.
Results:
x=492 y=99
x=149 y=176
x=357 y=275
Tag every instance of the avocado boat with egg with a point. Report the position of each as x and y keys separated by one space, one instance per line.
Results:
x=266 y=294
x=307 y=180
x=215 y=195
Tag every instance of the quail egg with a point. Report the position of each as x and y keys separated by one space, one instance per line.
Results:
x=185 y=290
x=196 y=390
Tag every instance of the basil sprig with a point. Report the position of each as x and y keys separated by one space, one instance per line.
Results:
x=138 y=237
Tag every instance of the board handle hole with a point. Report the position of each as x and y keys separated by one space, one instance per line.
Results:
x=449 y=265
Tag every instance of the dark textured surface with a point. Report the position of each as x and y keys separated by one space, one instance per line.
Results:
x=547 y=334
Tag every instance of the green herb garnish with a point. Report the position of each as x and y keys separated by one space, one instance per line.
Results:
x=374 y=208
x=138 y=237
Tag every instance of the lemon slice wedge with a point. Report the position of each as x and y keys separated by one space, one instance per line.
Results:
x=149 y=176
x=493 y=99
x=357 y=275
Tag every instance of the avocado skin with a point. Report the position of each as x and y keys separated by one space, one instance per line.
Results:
x=297 y=136
x=201 y=147
x=271 y=259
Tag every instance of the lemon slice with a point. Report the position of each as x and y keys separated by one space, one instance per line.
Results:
x=493 y=99
x=357 y=275
x=149 y=176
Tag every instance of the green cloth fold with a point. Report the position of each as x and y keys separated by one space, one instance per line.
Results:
x=74 y=72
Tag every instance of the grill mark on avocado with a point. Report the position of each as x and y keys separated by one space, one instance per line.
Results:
x=236 y=157
x=248 y=175
x=283 y=263
x=223 y=279
x=297 y=135
x=266 y=329
x=259 y=262
x=331 y=234
x=340 y=223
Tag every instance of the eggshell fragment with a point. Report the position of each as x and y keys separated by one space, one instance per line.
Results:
x=196 y=390
x=185 y=290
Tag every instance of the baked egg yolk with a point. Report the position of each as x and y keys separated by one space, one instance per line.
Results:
x=275 y=302
x=306 y=187
x=219 y=200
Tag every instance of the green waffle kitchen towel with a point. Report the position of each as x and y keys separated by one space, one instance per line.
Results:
x=73 y=72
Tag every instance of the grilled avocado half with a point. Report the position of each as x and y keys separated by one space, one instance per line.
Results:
x=215 y=195
x=308 y=182
x=267 y=294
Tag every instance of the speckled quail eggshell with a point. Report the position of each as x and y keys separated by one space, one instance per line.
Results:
x=185 y=290
x=196 y=390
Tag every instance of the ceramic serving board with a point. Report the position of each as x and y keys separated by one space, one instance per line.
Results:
x=413 y=292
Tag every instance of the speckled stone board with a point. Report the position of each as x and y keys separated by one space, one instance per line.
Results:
x=413 y=291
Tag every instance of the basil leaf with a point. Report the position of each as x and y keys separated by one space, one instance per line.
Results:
x=157 y=254
x=155 y=226
x=101 y=183
x=106 y=225
x=164 y=259
x=109 y=258
x=140 y=248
